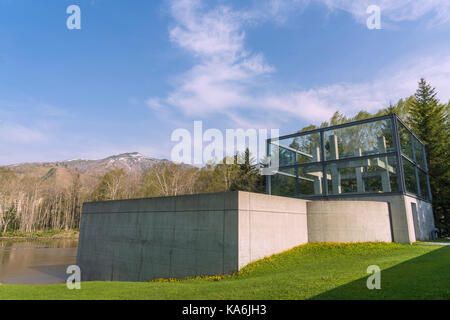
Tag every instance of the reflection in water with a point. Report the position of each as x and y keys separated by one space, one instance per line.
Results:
x=36 y=261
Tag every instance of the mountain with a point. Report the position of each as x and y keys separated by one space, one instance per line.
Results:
x=62 y=171
x=131 y=162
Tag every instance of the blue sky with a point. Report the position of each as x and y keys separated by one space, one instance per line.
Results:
x=137 y=70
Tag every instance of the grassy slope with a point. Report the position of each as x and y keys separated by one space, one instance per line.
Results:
x=313 y=271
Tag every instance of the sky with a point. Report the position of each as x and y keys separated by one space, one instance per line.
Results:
x=138 y=70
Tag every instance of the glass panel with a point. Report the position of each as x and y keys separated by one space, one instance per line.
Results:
x=285 y=152
x=310 y=180
x=410 y=176
x=372 y=175
x=298 y=150
x=283 y=183
x=418 y=149
x=423 y=184
x=363 y=139
x=405 y=140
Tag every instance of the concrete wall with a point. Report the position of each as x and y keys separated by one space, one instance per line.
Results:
x=173 y=237
x=402 y=233
x=185 y=236
x=422 y=218
x=269 y=224
x=402 y=220
x=348 y=221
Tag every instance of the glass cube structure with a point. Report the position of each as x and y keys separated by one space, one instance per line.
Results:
x=374 y=156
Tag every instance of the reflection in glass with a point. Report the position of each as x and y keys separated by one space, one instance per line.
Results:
x=363 y=176
x=298 y=150
x=359 y=140
x=283 y=183
x=410 y=176
x=310 y=180
x=423 y=184
x=405 y=141
x=418 y=149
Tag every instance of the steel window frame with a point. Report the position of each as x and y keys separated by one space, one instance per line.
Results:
x=398 y=154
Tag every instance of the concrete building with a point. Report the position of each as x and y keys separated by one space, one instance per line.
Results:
x=210 y=234
x=365 y=181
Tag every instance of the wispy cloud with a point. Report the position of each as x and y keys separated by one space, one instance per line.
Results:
x=388 y=85
x=438 y=11
x=226 y=70
x=231 y=80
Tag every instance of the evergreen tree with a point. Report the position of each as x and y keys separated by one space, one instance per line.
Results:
x=429 y=120
x=247 y=177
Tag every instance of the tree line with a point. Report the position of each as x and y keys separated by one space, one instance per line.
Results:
x=29 y=204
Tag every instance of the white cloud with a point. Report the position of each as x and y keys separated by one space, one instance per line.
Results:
x=229 y=79
x=226 y=70
x=388 y=85
x=396 y=10
x=214 y=34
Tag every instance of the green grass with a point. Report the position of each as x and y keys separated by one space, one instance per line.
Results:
x=312 y=271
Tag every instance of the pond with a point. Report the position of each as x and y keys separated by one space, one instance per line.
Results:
x=36 y=261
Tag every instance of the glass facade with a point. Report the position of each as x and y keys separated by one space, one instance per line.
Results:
x=379 y=155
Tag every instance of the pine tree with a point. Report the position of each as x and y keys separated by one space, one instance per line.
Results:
x=247 y=176
x=429 y=120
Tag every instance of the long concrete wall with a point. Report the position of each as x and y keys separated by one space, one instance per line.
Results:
x=185 y=236
x=348 y=221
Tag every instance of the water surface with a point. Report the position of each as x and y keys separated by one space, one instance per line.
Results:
x=36 y=261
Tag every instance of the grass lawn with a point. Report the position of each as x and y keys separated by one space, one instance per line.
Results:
x=312 y=271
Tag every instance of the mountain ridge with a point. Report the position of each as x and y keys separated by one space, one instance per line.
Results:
x=131 y=162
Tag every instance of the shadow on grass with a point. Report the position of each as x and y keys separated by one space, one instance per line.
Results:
x=424 y=277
